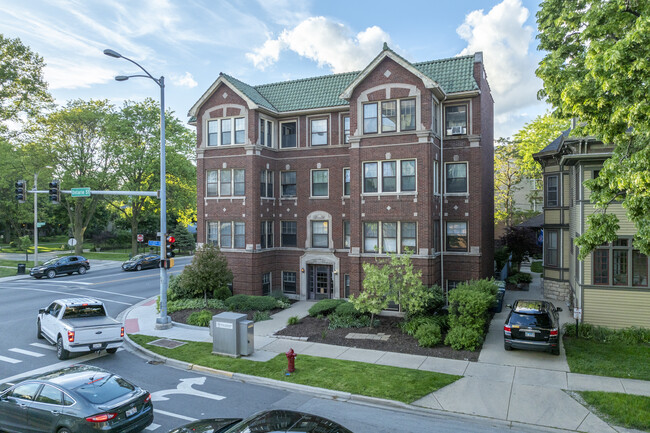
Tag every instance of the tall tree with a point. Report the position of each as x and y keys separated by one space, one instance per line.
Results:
x=507 y=179
x=23 y=90
x=597 y=68
x=136 y=131
x=75 y=138
x=534 y=137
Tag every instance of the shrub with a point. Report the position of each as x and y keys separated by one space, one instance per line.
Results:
x=325 y=307
x=258 y=316
x=200 y=318
x=184 y=304
x=346 y=321
x=602 y=334
x=177 y=288
x=412 y=325
x=293 y=320
x=463 y=337
x=249 y=303
x=469 y=308
x=520 y=277
x=347 y=309
x=435 y=302
x=222 y=293
x=428 y=335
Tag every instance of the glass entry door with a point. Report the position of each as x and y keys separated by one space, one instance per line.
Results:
x=319 y=279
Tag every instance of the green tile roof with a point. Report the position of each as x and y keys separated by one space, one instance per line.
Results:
x=453 y=75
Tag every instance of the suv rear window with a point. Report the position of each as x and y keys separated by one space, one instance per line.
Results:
x=540 y=320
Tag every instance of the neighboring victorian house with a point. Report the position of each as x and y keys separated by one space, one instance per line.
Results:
x=301 y=182
x=611 y=284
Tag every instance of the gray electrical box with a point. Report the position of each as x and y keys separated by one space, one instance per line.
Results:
x=225 y=333
x=246 y=337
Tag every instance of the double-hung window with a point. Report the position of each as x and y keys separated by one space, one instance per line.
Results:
x=456 y=178
x=389 y=237
x=213 y=133
x=456 y=119
x=408 y=237
x=288 y=183
x=226 y=129
x=225 y=235
x=288 y=135
x=240 y=235
x=319 y=234
x=396 y=115
x=288 y=282
x=266 y=234
x=266 y=133
x=346 y=234
x=220 y=132
x=221 y=233
x=456 y=236
x=346 y=129
x=266 y=284
x=213 y=233
x=346 y=182
x=319 y=132
x=225 y=183
x=389 y=116
x=370 y=118
x=396 y=176
x=289 y=236
x=266 y=183
x=239 y=182
x=550 y=245
x=320 y=183
x=407 y=114
x=552 y=190
x=212 y=180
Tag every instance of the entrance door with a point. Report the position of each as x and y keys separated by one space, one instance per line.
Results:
x=319 y=279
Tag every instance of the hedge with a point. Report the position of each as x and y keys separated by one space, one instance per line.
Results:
x=325 y=307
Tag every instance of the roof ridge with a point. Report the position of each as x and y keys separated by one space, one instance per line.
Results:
x=306 y=79
x=443 y=60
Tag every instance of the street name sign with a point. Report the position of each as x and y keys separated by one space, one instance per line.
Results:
x=154 y=243
x=40 y=224
x=80 y=192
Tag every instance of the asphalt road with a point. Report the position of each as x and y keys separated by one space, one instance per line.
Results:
x=181 y=396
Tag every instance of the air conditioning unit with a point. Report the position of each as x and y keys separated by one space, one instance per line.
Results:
x=456 y=130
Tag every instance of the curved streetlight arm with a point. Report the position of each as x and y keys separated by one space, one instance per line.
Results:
x=112 y=53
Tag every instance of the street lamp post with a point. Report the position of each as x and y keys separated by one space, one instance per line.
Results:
x=163 y=321
x=36 y=215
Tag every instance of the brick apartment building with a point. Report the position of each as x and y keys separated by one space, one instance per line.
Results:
x=301 y=182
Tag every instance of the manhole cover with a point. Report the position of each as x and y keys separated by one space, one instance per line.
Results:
x=167 y=343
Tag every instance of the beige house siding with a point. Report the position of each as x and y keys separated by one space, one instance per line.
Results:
x=552 y=216
x=588 y=277
x=551 y=273
x=626 y=226
x=616 y=308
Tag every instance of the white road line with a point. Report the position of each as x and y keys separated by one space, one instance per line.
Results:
x=153 y=426
x=68 y=293
x=9 y=360
x=58 y=365
x=43 y=346
x=26 y=352
x=90 y=290
x=175 y=415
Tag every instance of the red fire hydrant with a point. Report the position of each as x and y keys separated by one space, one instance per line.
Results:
x=291 y=361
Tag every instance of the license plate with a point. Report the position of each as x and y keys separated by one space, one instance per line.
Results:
x=131 y=411
x=530 y=334
x=97 y=346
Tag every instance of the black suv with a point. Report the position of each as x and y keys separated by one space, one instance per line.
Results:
x=61 y=265
x=533 y=325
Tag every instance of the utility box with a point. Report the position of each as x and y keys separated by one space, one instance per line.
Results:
x=246 y=337
x=225 y=333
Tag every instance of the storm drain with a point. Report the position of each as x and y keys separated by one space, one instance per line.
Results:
x=167 y=343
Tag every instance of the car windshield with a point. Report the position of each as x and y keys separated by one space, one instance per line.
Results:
x=84 y=311
x=51 y=261
x=138 y=257
x=535 y=320
x=104 y=387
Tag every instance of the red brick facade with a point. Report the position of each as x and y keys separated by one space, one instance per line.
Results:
x=323 y=271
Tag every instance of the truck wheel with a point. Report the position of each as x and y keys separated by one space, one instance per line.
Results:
x=39 y=335
x=51 y=274
x=138 y=268
x=113 y=350
x=61 y=353
x=82 y=270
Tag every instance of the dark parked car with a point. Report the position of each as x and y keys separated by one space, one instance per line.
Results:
x=142 y=261
x=78 y=399
x=61 y=265
x=268 y=421
x=533 y=325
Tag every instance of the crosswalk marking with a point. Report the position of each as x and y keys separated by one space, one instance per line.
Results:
x=26 y=352
x=152 y=426
x=175 y=415
x=43 y=346
x=9 y=360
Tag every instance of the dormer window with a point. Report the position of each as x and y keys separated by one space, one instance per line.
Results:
x=390 y=121
x=456 y=120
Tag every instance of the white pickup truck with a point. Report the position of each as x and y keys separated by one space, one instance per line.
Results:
x=79 y=325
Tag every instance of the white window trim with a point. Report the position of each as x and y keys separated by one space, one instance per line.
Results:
x=328 y=119
x=232 y=234
x=311 y=184
x=232 y=184
x=398 y=125
x=281 y=234
x=282 y=196
x=343 y=180
x=270 y=274
x=468 y=117
x=466 y=193
x=268 y=121
x=267 y=224
x=266 y=183
x=342 y=117
x=295 y=282
x=444 y=245
x=232 y=131
x=436 y=178
x=279 y=146
x=398 y=178
x=380 y=237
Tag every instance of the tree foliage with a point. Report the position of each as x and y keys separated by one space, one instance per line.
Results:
x=208 y=274
x=597 y=68
x=534 y=137
x=507 y=178
x=392 y=280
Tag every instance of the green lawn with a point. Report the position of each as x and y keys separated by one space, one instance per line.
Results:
x=120 y=257
x=629 y=411
x=393 y=383
x=536 y=267
x=8 y=272
x=607 y=359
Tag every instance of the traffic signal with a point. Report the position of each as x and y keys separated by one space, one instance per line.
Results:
x=55 y=192
x=171 y=246
x=21 y=190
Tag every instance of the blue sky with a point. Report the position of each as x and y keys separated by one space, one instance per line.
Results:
x=191 y=41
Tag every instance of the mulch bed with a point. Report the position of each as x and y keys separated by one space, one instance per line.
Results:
x=316 y=330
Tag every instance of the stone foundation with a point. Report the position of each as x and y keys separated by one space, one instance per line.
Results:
x=558 y=290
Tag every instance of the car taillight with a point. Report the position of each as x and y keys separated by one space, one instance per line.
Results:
x=554 y=332
x=147 y=399
x=122 y=332
x=506 y=328
x=102 y=417
x=71 y=336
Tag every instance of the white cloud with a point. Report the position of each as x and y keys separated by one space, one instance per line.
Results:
x=504 y=38
x=327 y=42
x=186 y=80
x=68 y=74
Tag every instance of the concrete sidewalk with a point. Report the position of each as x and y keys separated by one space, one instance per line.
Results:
x=518 y=386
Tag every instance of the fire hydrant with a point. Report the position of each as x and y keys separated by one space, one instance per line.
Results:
x=291 y=361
